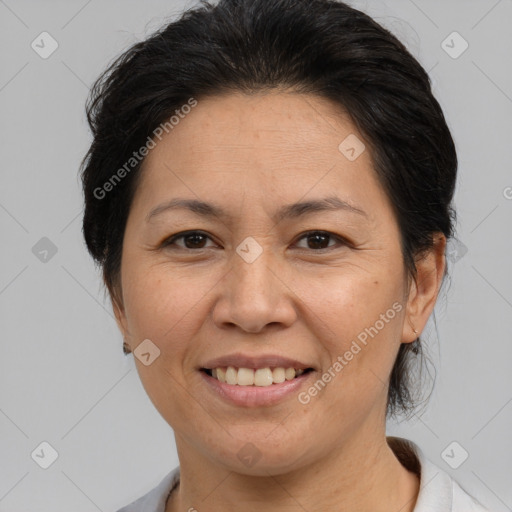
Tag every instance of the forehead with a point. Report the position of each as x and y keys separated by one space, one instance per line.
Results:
x=260 y=145
x=270 y=119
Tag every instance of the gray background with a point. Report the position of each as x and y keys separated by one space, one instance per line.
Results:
x=63 y=376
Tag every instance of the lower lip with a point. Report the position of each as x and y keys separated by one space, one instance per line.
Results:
x=256 y=396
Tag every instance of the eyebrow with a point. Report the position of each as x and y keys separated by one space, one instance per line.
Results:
x=290 y=211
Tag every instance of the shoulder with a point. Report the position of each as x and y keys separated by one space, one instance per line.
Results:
x=439 y=492
x=155 y=499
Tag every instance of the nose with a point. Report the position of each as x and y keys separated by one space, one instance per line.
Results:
x=255 y=296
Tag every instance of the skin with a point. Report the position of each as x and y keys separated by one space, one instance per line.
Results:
x=251 y=154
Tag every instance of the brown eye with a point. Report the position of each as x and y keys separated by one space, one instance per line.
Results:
x=191 y=240
x=318 y=240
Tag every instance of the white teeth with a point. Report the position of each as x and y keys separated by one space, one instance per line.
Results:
x=289 y=373
x=278 y=375
x=263 y=377
x=221 y=374
x=245 y=377
x=231 y=375
x=259 y=377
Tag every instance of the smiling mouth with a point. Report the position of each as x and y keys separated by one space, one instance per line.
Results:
x=259 y=377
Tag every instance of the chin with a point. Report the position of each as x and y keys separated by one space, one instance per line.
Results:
x=261 y=454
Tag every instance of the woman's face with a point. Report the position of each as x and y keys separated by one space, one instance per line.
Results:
x=253 y=288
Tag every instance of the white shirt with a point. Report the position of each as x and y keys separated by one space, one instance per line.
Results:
x=438 y=491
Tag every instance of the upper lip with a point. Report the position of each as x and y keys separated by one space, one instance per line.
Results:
x=260 y=361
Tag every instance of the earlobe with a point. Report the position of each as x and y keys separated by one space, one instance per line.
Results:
x=424 y=288
x=126 y=347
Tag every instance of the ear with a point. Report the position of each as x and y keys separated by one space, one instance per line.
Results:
x=424 y=289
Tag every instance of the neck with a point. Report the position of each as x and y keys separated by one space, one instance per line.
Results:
x=361 y=476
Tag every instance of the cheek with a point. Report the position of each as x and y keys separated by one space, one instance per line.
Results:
x=348 y=302
x=159 y=305
x=357 y=316
x=163 y=308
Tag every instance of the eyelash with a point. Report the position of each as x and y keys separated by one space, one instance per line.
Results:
x=171 y=240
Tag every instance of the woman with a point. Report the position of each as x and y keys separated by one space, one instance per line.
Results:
x=268 y=193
